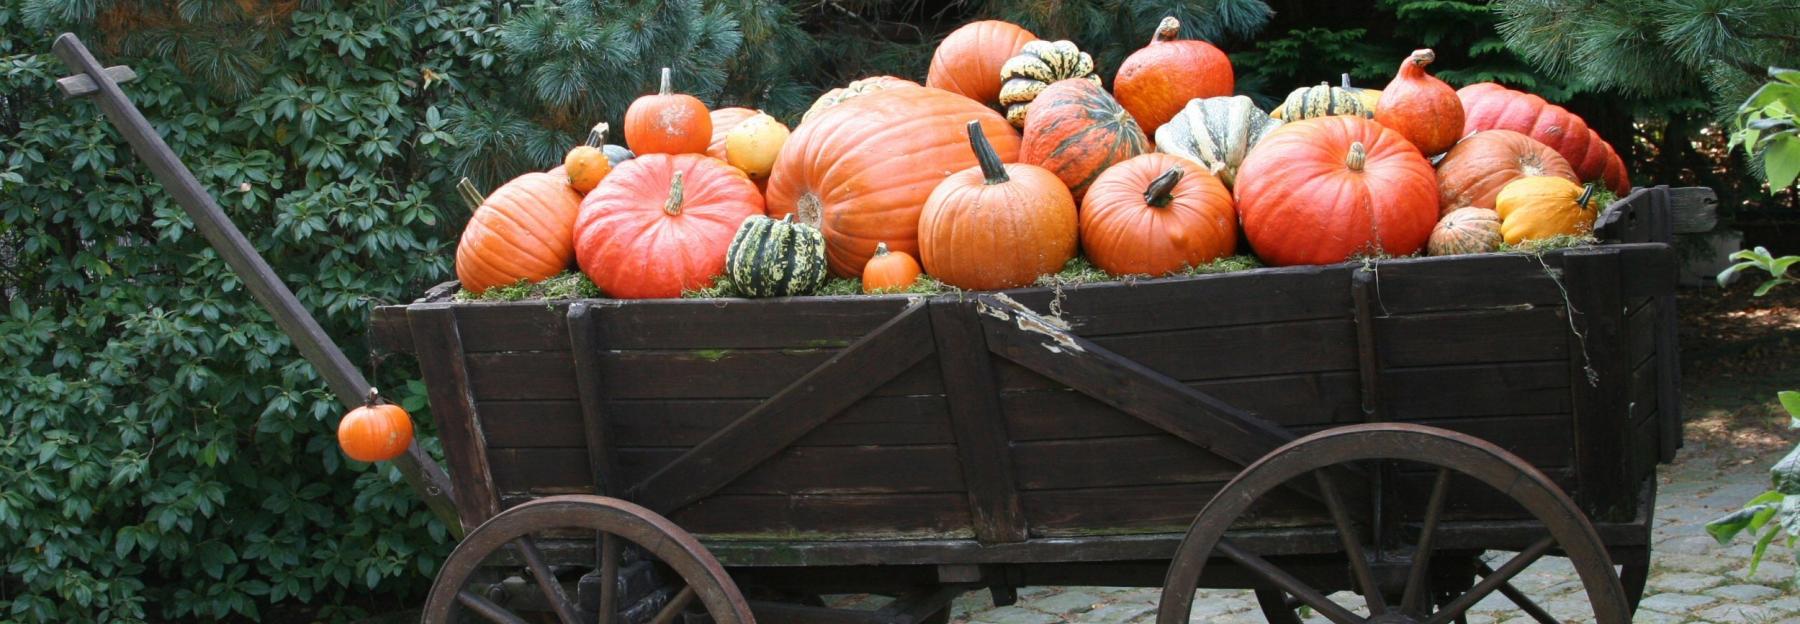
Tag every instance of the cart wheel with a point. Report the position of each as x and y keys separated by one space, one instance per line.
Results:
x=511 y=533
x=1322 y=457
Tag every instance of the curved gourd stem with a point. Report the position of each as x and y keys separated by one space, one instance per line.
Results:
x=1358 y=156
x=1345 y=77
x=881 y=249
x=1422 y=57
x=1166 y=30
x=673 y=205
x=1587 y=193
x=471 y=195
x=665 y=88
x=597 y=136
x=1158 y=193
x=991 y=167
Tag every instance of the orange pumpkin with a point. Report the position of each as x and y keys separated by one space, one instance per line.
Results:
x=523 y=231
x=1076 y=131
x=723 y=120
x=1155 y=82
x=377 y=431
x=1323 y=190
x=660 y=224
x=889 y=270
x=1474 y=171
x=861 y=171
x=1156 y=214
x=996 y=225
x=1420 y=107
x=968 y=62
x=1488 y=106
x=587 y=163
x=667 y=123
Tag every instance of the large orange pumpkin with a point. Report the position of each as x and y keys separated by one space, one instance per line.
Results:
x=1473 y=172
x=723 y=120
x=1323 y=190
x=996 y=225
x=1420 y=107
x=861 y=171
x=1076 y=131
x=857 y=88
x=1156 y=214
x=968 y=62
x=524 y=230
x=666 y=122
x=1488 y=106
x=1154 y=83
x=660 y=224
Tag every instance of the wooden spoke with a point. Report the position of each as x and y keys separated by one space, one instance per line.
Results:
x=675 y=606
x=1275 y=606
x=1491 y=582
x=1286 y=582
x=609 y=577
x=487 y=609
x=1352 y=541
x=1519 y=598
x=546 y=580
x=1414 y=598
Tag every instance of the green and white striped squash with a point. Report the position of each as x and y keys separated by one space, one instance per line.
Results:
x=770 y=258
x=1322 y=100
x=1216 y=132
x=1037 y=66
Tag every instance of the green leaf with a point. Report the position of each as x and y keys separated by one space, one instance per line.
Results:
x=1785 y=474
x=1790 y=401
x=1730 y=525
x=1782 y=160
x=1767 y=286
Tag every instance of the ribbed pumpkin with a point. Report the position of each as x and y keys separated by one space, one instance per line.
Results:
x=1465 y=231
x=968 y=62
x=1155 y=82
x=1420 y=107
x=377 y=431
x=1544 y=207
x=1077 y=130
x=996 y=225
x=776 y=258
x=660 y=224
x=1488 y=106
x=861 y=170
x=854 y=90
x=1324 y=190
x=889 y=270
x=1323 y=100
x=1156 y=214
x=667 y=122
x=723 y=120
x=1216 y=133
x=1474 y=171
x=524 y=230
x=1037 y=65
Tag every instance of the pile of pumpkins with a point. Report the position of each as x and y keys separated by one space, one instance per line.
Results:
x=1013 y=157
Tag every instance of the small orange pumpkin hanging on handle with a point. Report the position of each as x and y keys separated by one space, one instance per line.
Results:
x=667 y=122
x=377 y=431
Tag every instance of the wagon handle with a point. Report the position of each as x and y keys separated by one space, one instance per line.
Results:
x=424 y=474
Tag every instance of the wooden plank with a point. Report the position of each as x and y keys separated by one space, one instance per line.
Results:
x=1494 y=390
x=515 y=325
x=973 y=397
x=1653 y=270
x=797 y=409
x=1474 y=282
x=532 y=424
x=446 y=373
x=1288 y=400
x=1547 y=441
x=1600 y=380
x=797 y=470
x=1255 y=350
x=731 y=374
x=1438 y=339
x=522 y=375
x=585 y=344
x=814 y=322
x=1627 y=219
x=1668 y=379
x=895 y=421
x=388 y=331
x=1693 y=210
x=878 y=516
x=1642 y=400
x=1156 y=459
x=1151 y=508
x=81 y=84
x=1263 y=296
x=1368 y=358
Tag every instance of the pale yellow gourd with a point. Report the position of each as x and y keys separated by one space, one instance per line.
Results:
x=1540 y=207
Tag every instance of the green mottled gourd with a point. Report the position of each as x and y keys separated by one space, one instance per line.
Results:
x=1216 y=132
x=776 y=258
x=1323 y=100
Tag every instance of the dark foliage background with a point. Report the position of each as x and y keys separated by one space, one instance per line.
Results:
x=164 y=453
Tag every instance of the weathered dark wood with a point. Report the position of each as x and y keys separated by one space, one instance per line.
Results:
x=446 y=373
x=728 y=374
x=1150 y=508
x=388 y=331
x=1641 y=396
x=1668 y=374
x=803 y=405
x=789 y=613
x=1256 y=350
x=1450 y=338
x=1287 y=400
x=80 y=84
x=1693 y=210
x=815 y=323
x=901 y=420
x=1464 y=283
x=877 y=516
x=1265 y=296
x=1127 y=461
x=1600 y=378
x=1628 y=219
x=1368 y=360
x=1477 y=390
x=585 y=345
x=796 y=470
x=973 y=397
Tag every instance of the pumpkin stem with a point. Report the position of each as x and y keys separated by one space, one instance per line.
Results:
x=1158 y=193
x=673 y=205
x=991 y=167
x=373 y=399
x=471 y=195
x=597 y=136
x=1345 y=77
x=1358 y=157
x=664 y=89
x=881 y=249
x=1587 y=193
x=1166 y=30
x=1422 y=57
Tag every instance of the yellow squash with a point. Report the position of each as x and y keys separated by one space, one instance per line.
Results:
x=1540 y=207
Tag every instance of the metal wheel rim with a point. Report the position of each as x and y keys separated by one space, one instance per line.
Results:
x=1467 y=455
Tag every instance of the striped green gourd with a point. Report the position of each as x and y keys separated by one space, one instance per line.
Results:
x=1322 y=100
x=770 y=258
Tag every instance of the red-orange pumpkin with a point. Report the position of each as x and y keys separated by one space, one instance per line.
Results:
x=1323 y=190
x=968 y=62
x=1156 y=214
x=889 y=271
x=862 y=170
x=524 y=230
x=996 y=225
x=377 y=431
x=1076 y=131
x=1155 y=82
x=1473 y=172
x=667 y=123
x=1420 y=107
x=1488 y=106
x=660 y=224
x=723 y=120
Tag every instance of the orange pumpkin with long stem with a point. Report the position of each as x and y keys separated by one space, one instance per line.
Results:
x=524 y=230
x=1420 y=107
x=889 y=271
x=968 y=62
x=996 y=225
x=667 y=122
x=660 y=224
x=1156 y=214
x=1155 y=82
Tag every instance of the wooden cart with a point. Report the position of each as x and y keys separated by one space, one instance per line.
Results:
x=1374 y=427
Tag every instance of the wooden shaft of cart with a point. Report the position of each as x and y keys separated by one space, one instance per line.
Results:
x=424 y=474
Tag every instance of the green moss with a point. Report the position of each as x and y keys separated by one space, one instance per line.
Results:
x=1228 y=264
x=565 y=285
x=721 y=287
x=1538 y=247
x=712 y=355
x=840 y=287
